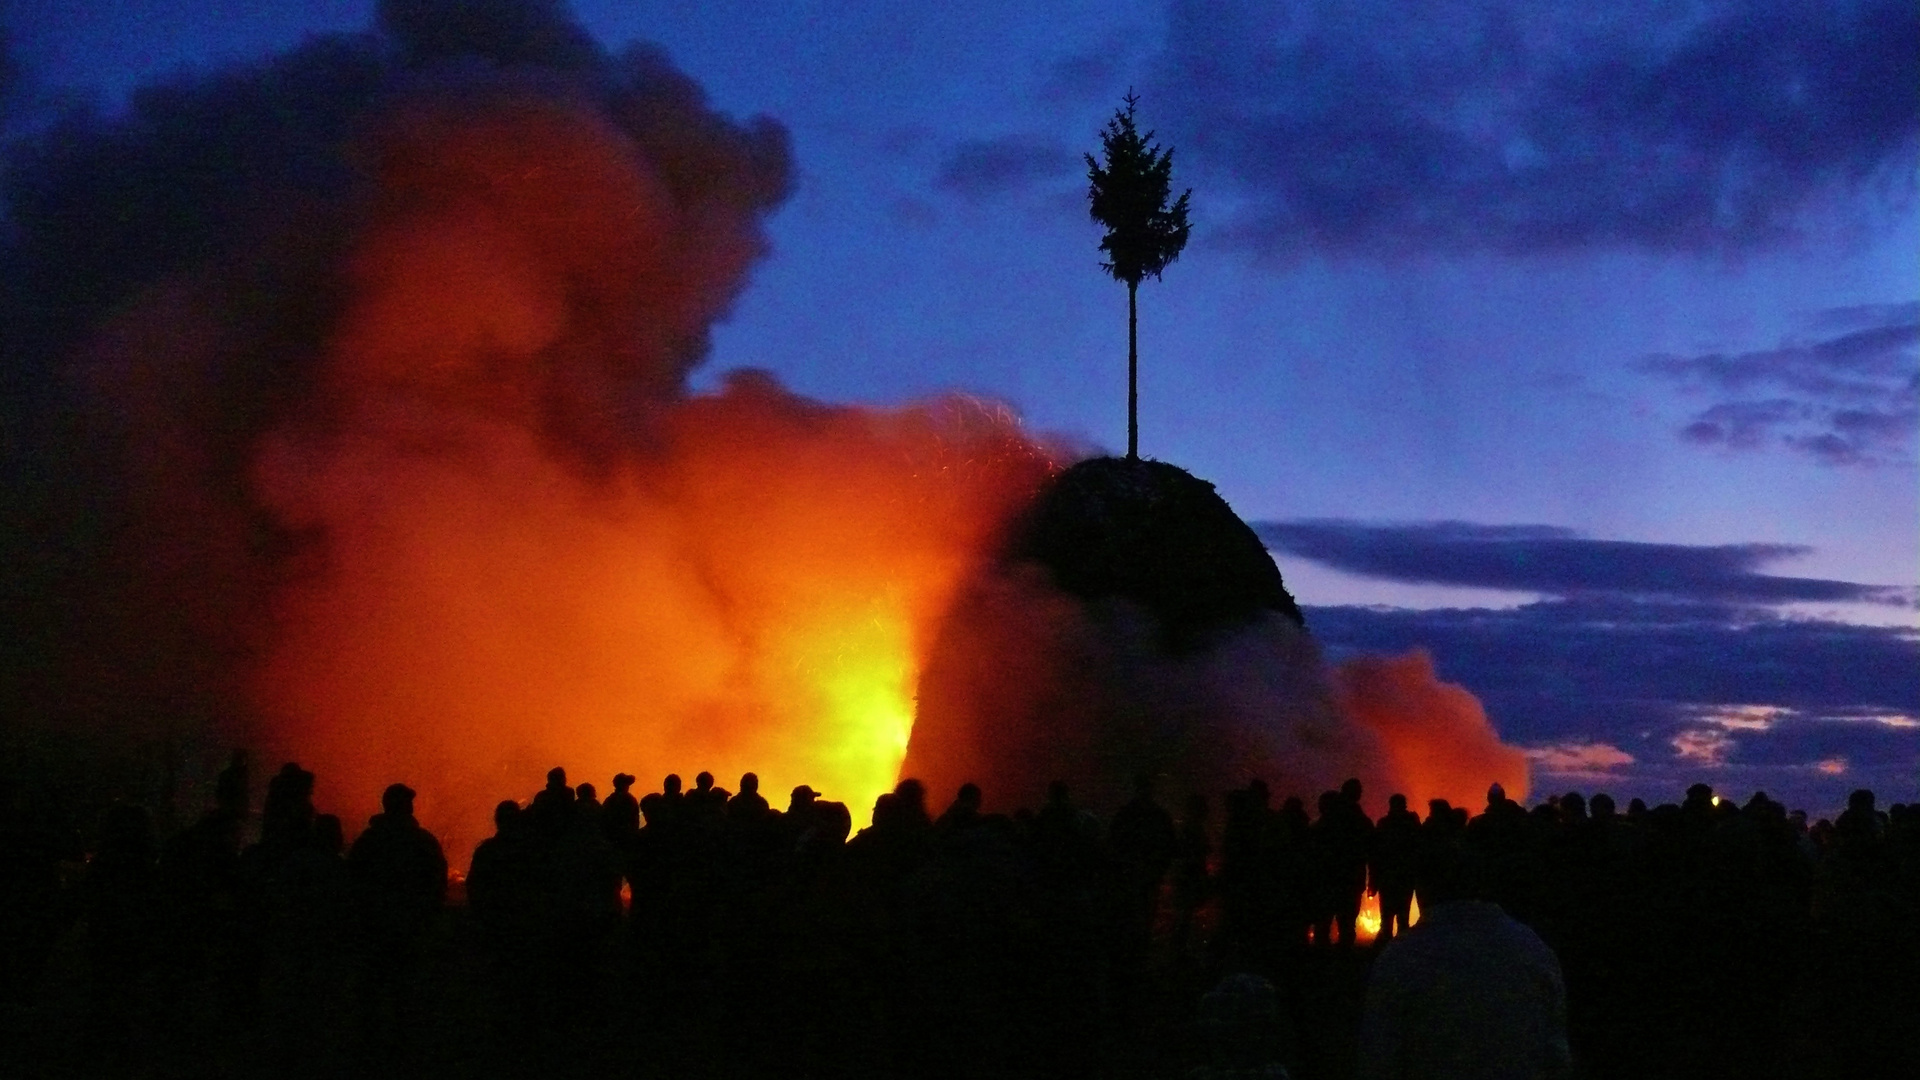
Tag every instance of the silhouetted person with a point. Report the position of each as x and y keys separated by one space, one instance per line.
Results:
x=620 y=813
x=1396 y=859
x=399 y=878
x=662 y=808
x=509 y=895
x=1342 y=835
x=552 y=807
x=707 y=803
x=963 y=813
x=748 y=807
x=1468 y=993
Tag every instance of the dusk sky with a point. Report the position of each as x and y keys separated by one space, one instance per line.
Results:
x=1576 y=344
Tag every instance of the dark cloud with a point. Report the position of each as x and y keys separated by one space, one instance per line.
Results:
x=1008 y=165
x=1690 y=691
x=1851 y=397
x=1536 y=127
x=1559 y=562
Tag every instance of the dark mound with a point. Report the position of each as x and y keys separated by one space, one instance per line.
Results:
x=1157 y=535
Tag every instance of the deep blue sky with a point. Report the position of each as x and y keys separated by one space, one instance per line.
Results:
x=1631 y=289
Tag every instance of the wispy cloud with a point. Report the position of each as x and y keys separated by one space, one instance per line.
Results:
x=1846 y=398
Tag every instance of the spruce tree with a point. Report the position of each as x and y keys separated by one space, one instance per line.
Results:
x=1128 y=195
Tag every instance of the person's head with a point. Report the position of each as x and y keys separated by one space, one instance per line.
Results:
x=1496 y=794
x=969 y=796
x=703 y=782
x=1449 y=870
x=1602 y=805
x=1572 y=806
x=1397 y=803
x=1861 y=800
x=622 y=781
x=1329 y=803
x=911 y=795
x=505 y=815
x=802 y=796
x=556 y=778
x=749 y=783
x=586 y=792
x=397 y=800
x=1350 y=790
x=671 y=785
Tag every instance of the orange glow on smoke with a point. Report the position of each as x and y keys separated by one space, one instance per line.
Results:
x=1436 y=739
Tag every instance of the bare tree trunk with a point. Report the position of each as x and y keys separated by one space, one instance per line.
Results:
x=1133 y=376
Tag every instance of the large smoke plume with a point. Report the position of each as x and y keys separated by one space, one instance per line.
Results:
x=346 y=416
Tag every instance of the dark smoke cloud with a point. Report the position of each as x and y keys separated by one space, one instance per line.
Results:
x=176 y=281
x=1722 y=126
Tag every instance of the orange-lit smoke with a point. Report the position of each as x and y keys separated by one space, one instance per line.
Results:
x=1435 y=735
x=748 y=587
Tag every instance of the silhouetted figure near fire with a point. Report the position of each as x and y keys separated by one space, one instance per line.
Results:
x=1396 y=859
x=552 y=806
x=586 y=803
x=508 y=894
x=962 y=814
x=707 y=803
x=308 y=937
x=399 y=878
x=1248 y=888
x=748 y=807
x=1342 y=836
x=663 y=807
x=620 y=813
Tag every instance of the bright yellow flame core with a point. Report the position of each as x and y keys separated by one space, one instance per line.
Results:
x=863 y=672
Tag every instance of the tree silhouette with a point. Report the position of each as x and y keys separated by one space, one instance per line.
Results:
x=1144 y=234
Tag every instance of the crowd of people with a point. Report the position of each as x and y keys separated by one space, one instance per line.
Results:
x=701 y=931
